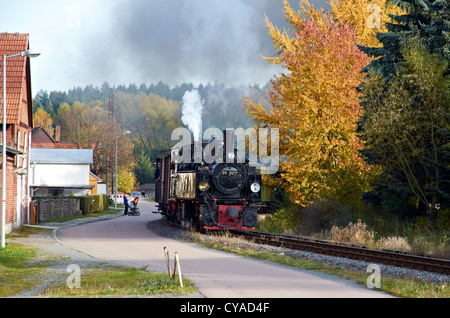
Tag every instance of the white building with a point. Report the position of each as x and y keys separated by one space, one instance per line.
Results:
x=59 y=171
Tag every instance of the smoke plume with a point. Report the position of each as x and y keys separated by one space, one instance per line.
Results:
x=192 y=112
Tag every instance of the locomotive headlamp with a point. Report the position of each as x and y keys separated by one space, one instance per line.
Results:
x=203 y=186
x=255 y=187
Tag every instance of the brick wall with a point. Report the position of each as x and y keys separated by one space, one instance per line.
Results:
x=11 y=194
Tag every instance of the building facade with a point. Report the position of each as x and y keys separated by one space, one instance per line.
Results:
x=19 y=122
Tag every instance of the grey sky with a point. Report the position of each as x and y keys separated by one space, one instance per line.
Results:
x=134 y=41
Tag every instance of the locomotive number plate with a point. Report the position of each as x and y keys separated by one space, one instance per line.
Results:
x=229 y=173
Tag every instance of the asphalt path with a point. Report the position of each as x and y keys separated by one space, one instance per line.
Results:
x=126 y=240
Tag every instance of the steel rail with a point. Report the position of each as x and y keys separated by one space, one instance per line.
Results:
x=353 y=252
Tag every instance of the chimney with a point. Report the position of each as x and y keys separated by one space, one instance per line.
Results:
x=58 y=133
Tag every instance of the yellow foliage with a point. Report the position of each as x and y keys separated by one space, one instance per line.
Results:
x=315 y=105
x=368 y=17
x=42 y=119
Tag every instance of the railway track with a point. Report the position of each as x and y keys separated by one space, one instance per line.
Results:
x=353 y=252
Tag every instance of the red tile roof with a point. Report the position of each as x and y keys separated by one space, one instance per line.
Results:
x=17 y=69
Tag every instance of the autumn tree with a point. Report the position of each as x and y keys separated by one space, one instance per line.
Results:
x=42 y=119
x=367 y=17
x=315 y=105
x=88 y=127
x=151 y=119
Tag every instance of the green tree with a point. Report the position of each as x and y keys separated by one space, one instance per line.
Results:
x=144 y=169
x=414 y=157
x=406 y=128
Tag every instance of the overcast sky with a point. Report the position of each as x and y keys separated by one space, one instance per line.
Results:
x=86 y=42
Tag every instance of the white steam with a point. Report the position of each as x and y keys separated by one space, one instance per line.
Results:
x=192 y=112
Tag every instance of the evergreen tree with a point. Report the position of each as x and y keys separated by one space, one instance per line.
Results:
x=427 y=19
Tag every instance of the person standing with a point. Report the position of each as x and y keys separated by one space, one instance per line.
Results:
x=125 y=203
x=158 y=181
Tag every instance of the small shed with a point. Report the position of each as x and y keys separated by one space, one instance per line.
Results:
x=60 y=171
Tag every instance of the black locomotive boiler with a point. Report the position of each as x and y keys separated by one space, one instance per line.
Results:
x=218 y=194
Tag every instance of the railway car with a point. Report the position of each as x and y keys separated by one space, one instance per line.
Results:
x=222 y=194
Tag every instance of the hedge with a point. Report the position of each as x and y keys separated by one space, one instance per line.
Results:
x=93 y=203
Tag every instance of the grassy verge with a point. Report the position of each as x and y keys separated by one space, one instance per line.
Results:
x=118 y=281
x=15 y=272
x=406 y=288
x=22 y=268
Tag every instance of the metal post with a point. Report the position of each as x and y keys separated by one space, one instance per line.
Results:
x=4 y=156
x=115 y=187
x=115 y=181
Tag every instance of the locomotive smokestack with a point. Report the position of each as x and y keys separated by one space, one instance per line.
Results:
x=192 y=110
x=228 y=144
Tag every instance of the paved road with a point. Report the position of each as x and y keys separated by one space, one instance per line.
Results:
x=126 y=240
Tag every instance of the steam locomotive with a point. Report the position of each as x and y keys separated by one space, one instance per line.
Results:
x=211 y=194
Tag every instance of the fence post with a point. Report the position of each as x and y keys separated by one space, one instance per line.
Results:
x=166 y=256
x=179 y=269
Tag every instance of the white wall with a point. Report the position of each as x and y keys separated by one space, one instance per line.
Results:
x=59 y=174
x=101 y=188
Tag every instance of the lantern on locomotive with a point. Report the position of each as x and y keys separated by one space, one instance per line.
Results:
x=206 y=185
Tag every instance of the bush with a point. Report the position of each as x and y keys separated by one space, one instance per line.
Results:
x=94 y=203
x=353 y=233
x=443 y=220
x=393 y=243
x=86 y=204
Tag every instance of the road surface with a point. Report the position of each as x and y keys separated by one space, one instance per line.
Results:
x=126 y=240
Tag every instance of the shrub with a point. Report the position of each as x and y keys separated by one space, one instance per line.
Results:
x=393 y=243
x=99 y=202
x=353 y=233
x=86 y=204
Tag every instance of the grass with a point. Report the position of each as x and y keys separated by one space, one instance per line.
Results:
x=399 y=287
x=119 y=281
x=15 y=272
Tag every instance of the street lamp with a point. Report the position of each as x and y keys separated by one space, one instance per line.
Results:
x=27 y=53
x=115 y=175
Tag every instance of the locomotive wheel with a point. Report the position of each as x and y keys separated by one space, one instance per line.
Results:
x=190 y=214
